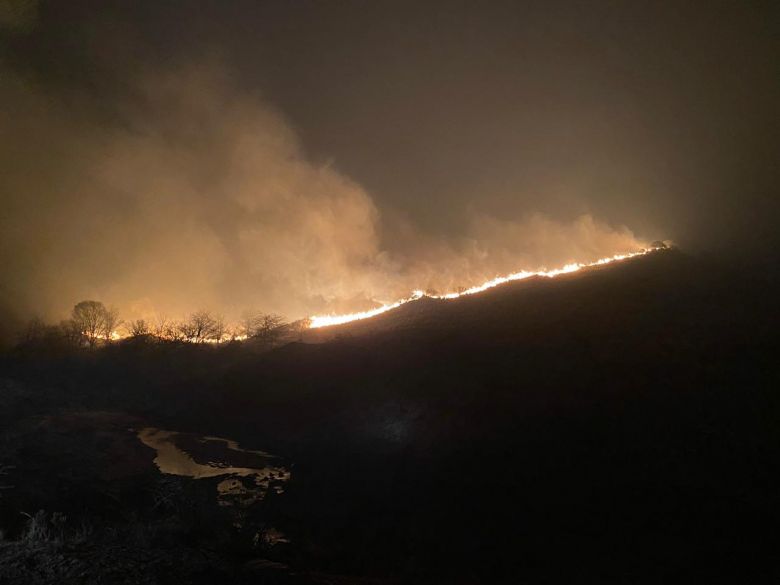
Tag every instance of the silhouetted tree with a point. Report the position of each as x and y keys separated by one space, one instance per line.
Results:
x=269 y=328
x=33 y=332
x=111 y=321
x=234 y=333
x=92 y=321
x=40 y=335
x=219 y=330
x=202 y=326
x=173 y=331
x=165 y=329
x=138 y=328
x=70 y=332
x=249 y=323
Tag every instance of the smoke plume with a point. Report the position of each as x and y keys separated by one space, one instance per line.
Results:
x=198 y=195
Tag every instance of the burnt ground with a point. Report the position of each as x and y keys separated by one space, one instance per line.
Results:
x=612 y=426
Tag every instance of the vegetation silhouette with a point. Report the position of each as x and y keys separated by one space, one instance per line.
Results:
x=615 y=425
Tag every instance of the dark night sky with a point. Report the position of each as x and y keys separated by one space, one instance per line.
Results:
x=658 y=116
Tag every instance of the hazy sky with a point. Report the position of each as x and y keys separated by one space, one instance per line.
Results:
x=304 y=156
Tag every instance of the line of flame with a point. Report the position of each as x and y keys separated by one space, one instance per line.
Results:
x=318 y=321
x=118 y=335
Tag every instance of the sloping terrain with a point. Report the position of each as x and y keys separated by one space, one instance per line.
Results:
x=614 y=425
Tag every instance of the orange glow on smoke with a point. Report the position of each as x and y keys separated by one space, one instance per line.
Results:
x=328 y=320
x=319 y=321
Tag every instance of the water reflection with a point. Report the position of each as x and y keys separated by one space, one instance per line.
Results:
x=250 y=473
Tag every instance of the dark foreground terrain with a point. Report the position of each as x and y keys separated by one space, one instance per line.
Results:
x=614 y=426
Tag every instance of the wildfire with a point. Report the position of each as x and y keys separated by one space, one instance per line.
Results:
x=329 y=320
x=319 y=321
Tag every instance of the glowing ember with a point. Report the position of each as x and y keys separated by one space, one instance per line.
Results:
x=328 y=320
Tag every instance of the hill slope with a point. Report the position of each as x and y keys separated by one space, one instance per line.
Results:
x=614 y=425
x=618 y=418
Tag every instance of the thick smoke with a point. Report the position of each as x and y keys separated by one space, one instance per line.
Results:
x=495 y=247
x=201 y=196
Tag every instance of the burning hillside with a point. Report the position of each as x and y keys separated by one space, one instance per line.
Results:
x=318 y=321
x=92 y=323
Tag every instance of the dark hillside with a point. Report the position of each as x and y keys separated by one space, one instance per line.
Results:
x=617 y=425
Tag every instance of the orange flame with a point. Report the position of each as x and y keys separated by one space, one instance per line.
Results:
x=329 y=320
